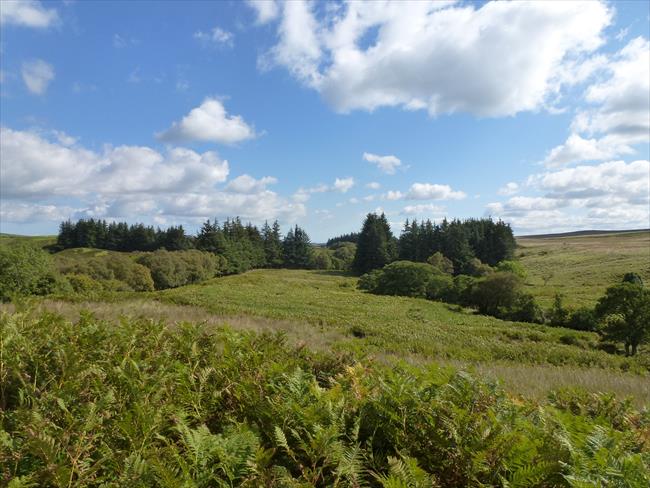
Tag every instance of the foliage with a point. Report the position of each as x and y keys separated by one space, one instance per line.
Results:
x=497 y=293
x=352 y=237
x=321 y=259
x=343 y=255
x=120 y=236
x=136 y=403
x=172 y=269
x=375 y=246
x=514 y=267
x=441 y=263
x=583 y=318
x=633 y=278
x=404 y=278
x=558 y=315
x=488 y=241
x=474 y=267
x=106 y=268
x=27 y=270
x=625 y=314
x=440 y=287
x=297 y=250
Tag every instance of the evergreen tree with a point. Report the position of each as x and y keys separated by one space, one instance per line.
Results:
x=272 y=245
x=297 y=249
x=376 y=246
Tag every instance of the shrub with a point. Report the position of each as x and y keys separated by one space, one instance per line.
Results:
x=474 y=267
x=583 y=319
x=463 y=290
x=320 y=259
x=526 y=309
x=633 y=278
x=405 y=278
x=84 y=284
x=440 y=287
x=441 y=263
x=558 y=315
x=514 y=267
x=496 y=294
x=172 y=269
x=110 y=267
x=26 y=270
x=369 y=281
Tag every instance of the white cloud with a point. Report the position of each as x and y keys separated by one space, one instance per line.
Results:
x=387 y=164
x=248 y=184
x=209 y=122
x=509 y=189
x=265 y=10
x=35 y=167
x=394 y=195
x=611 y=195
x=36 y=174
x=28 y=13
x=428 y=191
x=373 y=185
x=37 y=75
x=431 y=55
x=343 y=184
x=423 y=209
x=620 y=113
x=217 y=36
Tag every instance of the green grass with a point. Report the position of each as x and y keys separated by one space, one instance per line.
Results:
x=581 y=268
x=38 y=241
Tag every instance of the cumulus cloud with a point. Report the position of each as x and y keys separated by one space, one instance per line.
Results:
x=613 y=194
x=373 y=185
x=265 y=10
x=37 y=75
x=27 y=13
x=38 y=174
x=509 y=189
x=343 y=184
x=387 y=164
x=394 y=195
x=248 y=184
x=431 y=55
x=209 y=122
x=216 y=36
x=619 y=114
x=428 y=191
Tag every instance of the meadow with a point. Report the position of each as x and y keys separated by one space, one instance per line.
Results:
x=582 y=267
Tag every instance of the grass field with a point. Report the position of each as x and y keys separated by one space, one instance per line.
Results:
x=582 y=267
x=323 y=311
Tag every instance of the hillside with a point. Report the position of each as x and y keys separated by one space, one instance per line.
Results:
x=582 y=267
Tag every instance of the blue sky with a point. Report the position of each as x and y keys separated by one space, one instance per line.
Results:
x=317 y=113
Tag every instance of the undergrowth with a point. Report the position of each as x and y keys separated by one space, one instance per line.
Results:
x=138 y=403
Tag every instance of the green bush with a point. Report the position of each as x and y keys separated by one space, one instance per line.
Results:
x=583 y=319
x=369 y=281
x=440 y=287
x=441 y=263
x=496 y=294
x=321 y=259
x=27 y=270
x=474 y=267
x=84 y=284
x=110 y=267
x=405 y=278
x=170 y=269
x=514 y=267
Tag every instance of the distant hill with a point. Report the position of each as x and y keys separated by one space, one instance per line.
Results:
x=581 y=233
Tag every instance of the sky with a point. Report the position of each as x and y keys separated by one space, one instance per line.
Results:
x=316 y=113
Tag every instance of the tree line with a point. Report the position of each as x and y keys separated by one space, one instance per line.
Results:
x=467 y=243
x=244 y=246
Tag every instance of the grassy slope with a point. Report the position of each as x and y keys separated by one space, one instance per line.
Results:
x=581 y=268
x=40 y=241
x=325 y=311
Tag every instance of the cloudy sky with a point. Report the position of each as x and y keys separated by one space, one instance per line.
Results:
x=317 y=113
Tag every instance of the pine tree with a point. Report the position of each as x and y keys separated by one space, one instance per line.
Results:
x=297 y=249
x=376 y=247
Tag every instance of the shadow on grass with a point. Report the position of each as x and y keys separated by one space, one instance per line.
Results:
x=331 y=272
